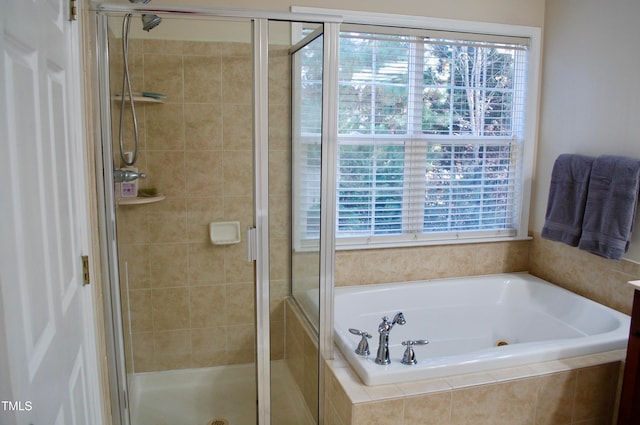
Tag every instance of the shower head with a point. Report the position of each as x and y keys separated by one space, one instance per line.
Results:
x=150 y=21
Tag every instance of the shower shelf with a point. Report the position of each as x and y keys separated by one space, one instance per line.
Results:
x=140 y=200
x=140 y=99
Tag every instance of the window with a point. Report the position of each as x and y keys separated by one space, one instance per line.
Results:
x=431 y=136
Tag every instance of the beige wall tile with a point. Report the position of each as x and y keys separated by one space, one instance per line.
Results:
x=279 y=173
x=202 y=48
x=166 y=172
x=170 y=308
x=204 y=174
x=134 y=267
x=182 y=153
x=280 y=125
x=236 y=267
x=202 y=79
x=206 y=264
x=279 y=254
x=237 y=127
x=208 y=346
x=201 y=212
x=173 y=342
x=164 y=73
x=207 y=306
x=140 y=310
x=168 y=221
x=240 y=304
x=279 y=217
x=203 y=126
x=241 y=344
x=432 y=409
x=237 y=77
x=499 y=404
x=167 y=47
x=276 y=339
x=594 y=382
x=279 y=75
x=336 y=396
x=238 y=173
x=602 y=280
x=556 y=394
x=430 y=262
x=239 y=208
x=133 y=225
x=143 y=352
x=236 y=49
x=165 y=127
x=169 y=264
x=378 y=413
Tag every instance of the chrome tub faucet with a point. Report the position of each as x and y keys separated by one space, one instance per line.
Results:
x=384 y=329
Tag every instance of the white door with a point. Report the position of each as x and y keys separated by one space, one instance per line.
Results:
x=47 y=343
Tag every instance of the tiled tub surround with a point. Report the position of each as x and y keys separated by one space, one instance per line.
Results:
x=393 y=265
x=597 y=278
x=579 y=390
x=301 y=354
x=575 y=391
x=371 y=266
x=186 y=302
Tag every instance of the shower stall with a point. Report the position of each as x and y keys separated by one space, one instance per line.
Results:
x=208 y=122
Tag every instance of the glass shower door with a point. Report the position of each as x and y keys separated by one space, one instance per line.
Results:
x=185 y=290
x=307 y=66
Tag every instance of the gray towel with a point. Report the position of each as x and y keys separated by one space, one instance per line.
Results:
x=611 y=206
x=567 y=198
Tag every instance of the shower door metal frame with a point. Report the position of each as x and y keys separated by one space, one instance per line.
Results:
x=329 y=148
x=106 y=197
x=118 y=391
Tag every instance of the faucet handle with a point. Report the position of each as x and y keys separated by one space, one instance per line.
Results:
x=415 y=342
x=363 y=345
x=409 y=356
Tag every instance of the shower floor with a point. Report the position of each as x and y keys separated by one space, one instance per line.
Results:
x=195 y=396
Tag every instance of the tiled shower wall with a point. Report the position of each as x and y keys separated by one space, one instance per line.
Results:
x=190 y=303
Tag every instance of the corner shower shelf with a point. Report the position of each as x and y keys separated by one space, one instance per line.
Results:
x=141 y=200
x=139 y=98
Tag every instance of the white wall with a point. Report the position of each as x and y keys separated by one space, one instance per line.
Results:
x=590 y=88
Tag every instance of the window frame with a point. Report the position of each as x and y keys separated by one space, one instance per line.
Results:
x=405 y=24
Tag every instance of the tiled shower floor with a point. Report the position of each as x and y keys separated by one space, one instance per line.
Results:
x=195 y=396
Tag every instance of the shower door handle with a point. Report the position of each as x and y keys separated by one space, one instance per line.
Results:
x=252 y=248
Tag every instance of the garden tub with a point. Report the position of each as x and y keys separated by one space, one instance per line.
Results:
x=472 y=324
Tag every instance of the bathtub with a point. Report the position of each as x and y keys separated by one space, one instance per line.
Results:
x=473 y=324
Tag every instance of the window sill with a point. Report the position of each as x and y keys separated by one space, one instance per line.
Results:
x=352 y=246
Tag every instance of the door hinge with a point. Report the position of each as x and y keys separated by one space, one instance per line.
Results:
x=73 y=10
x=86 y=279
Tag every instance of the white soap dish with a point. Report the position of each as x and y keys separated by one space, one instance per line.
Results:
x=224 y=232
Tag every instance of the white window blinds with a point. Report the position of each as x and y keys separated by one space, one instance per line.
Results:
x=430 y=134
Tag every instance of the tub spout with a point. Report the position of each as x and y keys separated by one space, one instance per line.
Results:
x=384 y=329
